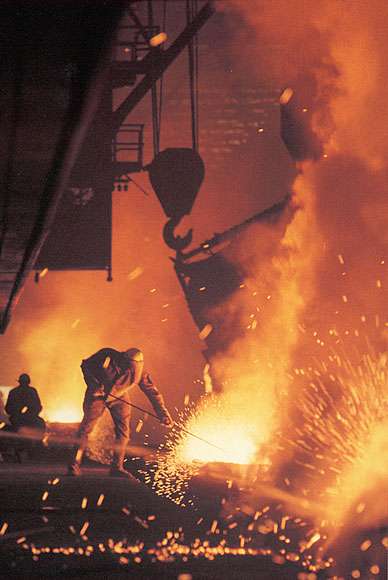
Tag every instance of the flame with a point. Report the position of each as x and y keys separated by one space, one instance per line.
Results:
x=223 y=435
x=217 y=429
x=319 y=341
x=314 y=296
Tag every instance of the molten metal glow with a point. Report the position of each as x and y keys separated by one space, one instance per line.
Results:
x=64 y=415
x=213 y=431
x=218 y=424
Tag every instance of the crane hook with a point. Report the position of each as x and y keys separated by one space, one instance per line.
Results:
x=177 y=243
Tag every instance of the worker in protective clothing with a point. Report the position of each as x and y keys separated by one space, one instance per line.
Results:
x=110 y=374
x=23 y=407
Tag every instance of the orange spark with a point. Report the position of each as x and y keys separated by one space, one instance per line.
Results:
x=158 y=39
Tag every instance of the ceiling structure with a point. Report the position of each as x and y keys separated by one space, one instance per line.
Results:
x=57 y=69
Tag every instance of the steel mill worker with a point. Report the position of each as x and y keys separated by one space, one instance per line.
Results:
x=23 y=407
x=110 y=374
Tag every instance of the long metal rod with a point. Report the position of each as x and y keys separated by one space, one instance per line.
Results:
x=175 y=423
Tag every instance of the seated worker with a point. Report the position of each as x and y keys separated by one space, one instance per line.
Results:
x=23 y=407
x=109 y=375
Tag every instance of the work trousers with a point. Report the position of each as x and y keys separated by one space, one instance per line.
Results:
x=93 y=408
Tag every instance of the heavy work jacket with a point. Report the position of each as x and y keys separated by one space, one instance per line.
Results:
x=23 y=407
x=108 y=368
x=23 y=398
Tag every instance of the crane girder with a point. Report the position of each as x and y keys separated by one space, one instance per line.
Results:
x=156 y=63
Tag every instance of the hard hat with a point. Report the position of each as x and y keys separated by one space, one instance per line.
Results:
x=136 y=363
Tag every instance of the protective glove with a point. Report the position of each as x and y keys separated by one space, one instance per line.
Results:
x=166 y=420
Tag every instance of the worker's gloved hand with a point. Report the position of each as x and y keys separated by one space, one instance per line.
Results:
x=166 y=420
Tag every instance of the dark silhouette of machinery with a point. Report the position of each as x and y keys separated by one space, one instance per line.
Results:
x=209 y=278
x=113 y=150
x=63 y=145
x=64 y=194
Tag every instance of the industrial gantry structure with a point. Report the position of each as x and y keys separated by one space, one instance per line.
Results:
x=64 y=145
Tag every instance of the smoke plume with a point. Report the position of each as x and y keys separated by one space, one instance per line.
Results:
x=321 y=292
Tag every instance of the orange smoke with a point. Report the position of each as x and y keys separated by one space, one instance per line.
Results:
x=297 y=294
x=305 y=296
x=53 y=348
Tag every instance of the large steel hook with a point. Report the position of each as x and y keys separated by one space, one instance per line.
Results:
x=177 y=243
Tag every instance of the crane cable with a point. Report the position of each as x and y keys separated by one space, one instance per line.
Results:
x=191 y=12
x=175 y=424
x=157 y=108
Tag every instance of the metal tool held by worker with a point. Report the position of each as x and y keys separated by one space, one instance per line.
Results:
x=175 y=424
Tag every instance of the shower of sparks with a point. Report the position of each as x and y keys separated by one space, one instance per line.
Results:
x=338 y=444
x=336 y=435
x=171 y=548
x=220 y=425
x=344 y=406
x=212 y=432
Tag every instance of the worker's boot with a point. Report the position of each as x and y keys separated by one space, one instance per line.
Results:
x=117 y=469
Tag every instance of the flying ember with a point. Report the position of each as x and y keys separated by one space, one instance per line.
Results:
x=214 y=431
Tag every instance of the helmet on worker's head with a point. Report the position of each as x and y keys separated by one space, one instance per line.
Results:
x=24 y=379
x=136 y=363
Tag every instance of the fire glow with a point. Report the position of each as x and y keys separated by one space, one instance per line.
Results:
x=342 y=436
x=220 y=425
x=327 y=335
x=68 y=414
x=333 y=437
x=338 y=474
x=213 y=431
